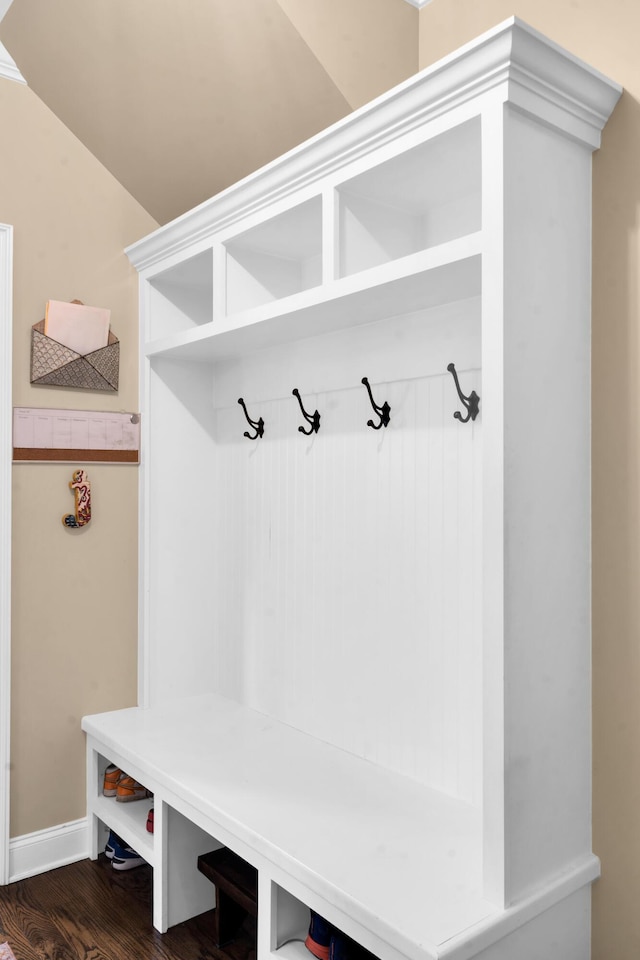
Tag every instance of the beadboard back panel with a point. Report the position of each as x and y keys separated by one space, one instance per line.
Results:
x=341 y=591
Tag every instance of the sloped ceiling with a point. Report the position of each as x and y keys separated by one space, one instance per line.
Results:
x=180 y=98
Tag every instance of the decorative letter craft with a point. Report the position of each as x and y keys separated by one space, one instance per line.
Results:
x=82 y=490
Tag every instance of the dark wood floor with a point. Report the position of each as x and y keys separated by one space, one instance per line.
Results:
x=87 y=911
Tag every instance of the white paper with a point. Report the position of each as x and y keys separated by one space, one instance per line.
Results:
x=81 y=328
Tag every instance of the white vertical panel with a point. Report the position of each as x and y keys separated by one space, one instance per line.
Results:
x=350 y=574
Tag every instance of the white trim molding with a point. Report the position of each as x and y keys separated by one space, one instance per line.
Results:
x=6 y=330
x=8 y=67
x=45 y=850
x=419 y=3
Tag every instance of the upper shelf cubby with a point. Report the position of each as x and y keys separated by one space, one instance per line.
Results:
x=275 y=259
x=424 y=197
x=181 y=297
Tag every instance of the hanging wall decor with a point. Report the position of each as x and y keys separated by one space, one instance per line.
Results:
x=81 y=488
x=74 y=347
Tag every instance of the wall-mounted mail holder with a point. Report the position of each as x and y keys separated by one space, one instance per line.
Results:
x=76 y=362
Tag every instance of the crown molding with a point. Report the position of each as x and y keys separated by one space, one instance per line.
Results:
x=513 y=63
x=8 y=68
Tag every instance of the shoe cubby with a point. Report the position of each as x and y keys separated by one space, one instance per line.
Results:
x=424 y=197
x=127 y=820
x=181 y=297
x=275 y=259
x=291 y=923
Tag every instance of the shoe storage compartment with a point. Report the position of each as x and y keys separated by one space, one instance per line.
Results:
x=236 y=890
x=290 y=924
x=128 y=820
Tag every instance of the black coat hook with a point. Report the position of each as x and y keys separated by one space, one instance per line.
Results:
x=384 y=412
x=314 y=420
x=471 y=403
x=258 y=425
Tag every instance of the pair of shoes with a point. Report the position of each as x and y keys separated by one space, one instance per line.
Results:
x=122 y=857
x=150 y=819
x=121 y=786
x=324 y=941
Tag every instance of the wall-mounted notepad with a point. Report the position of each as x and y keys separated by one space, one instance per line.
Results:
x=46 y=434
x=77 y=326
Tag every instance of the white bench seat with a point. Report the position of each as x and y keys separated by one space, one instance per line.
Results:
x=395 y=862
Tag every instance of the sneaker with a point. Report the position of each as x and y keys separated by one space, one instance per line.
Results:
x=150 y=820
x=129 y=789
x=113 y=843
x=339 y=947
x=319 y=936
x=125 y=858
x=111 y=777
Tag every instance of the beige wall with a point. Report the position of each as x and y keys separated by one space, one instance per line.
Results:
x=606 y=36
x=366 y=46
x=74 y=592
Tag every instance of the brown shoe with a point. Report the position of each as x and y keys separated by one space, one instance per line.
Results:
x=112 y=776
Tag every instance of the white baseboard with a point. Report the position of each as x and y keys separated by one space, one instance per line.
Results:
x=45 y=850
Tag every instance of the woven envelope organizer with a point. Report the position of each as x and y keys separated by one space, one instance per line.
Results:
x=56 y=365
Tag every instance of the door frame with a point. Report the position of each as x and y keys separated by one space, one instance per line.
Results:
x=6 y=362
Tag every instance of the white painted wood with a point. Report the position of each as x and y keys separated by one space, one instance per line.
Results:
x=45 y=850
x=418 y=199
x=365 y=655
x=545 y=594
x=181 y=297
x=511 y=60
x=6 y=339
x=260 y=784
x=429 y=278
x=189 y=892
x=276 y=258
x=259 y=795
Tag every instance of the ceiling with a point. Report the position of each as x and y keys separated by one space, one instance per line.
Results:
x=180 y=98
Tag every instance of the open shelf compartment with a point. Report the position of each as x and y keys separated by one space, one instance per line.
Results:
x=181 y=297
x=275 y=259
x=127 y=820
x=424 y=197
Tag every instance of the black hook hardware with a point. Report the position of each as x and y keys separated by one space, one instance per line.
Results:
x=384 y=412
x=258 y=425
x=314 y=420
x=471 y=403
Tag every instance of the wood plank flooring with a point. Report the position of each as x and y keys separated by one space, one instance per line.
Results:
x=87 y=911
